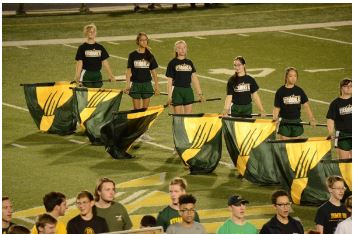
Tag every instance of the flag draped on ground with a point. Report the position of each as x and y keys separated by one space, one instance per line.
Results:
x=50 y=105
x=126 y=126
x=198 y=141
x=94 y=108
x=304 y=166
x=246 y=141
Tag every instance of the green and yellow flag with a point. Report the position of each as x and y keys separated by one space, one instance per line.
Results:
x=304 y=165
x=94 y=108
x=51 y=106
x=246 y=141
x=198 y=141
x=119 y=133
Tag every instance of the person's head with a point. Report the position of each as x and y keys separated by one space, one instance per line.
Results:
x=18 y=229
x=291 y=76
x=148 y=221
x=180 y=48
x=142 y=40
x=177 y=187
x=46 y=224
x=85 y=202
x=55 y=202
x=236 y=205
x=335 y=185
x=6 y=209
x=187 y=208
x=90 y=31
x=239 y=65
x=348 y=204
x=282 y=204
x=346 y=87
x=105 y=190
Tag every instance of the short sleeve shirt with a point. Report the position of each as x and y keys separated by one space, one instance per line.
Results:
x=141 y=66
x=181 y=72
x=241 y=89
x=340 y=111
x=92 y=56
x=116 y=216
x=289 y=100
x=329 y=215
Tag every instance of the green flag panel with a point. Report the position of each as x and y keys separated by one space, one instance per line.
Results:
x=51 y=106
x=198 y=141
x=94 y=108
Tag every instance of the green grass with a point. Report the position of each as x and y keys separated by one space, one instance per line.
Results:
x=52 y=162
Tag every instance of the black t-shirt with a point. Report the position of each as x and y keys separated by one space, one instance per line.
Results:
x=289 y=101
x=241 y=89
x=329 y=215
x=92 y=56
x=340 y=111
x=79 y=226
x=181 y=72
x=141 y=66
x=5 y=230
x=289 y=228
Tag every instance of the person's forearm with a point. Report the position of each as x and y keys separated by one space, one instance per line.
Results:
x=78 y=70
x=331 y=127
x=258 y=102
x=107 y=68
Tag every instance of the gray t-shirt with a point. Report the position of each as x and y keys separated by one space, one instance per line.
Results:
x=178 y=228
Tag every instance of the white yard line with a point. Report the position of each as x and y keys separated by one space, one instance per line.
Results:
x=19 y=146
x=75 y=47
x=185 y=34
x=13 y=106
x=323 y=70
x=113 y=43
x=77 y=142
x=22 y=47
x=154 y=39
x=318 y=38
x=133 y=196
x=243 y=35
x=201 y=38
x=333 y=29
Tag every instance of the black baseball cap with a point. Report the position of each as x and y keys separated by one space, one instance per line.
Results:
x=236 y=199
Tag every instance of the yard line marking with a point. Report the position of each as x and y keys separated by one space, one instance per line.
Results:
x=156 y=40
x=16 y=107
x=201 y=38
x=319 y=38
x=22 y=47
x=118 y=57
x=185 y=34
x=19 y=146
x=322 y=70
x=70 y=46
x=77 y=142
x=27 y=220
x=113 y=43
x=333 y=29
x=133 y=196
x=243 y=35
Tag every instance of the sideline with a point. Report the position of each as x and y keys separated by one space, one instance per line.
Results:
x=182 y=34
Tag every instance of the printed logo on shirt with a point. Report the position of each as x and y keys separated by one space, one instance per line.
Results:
x=183 y=67
x=119 y=218
x=242 y=87
x=338 y=216
x=88 y=230
x=346 y=110
x=292 y=100
x=93 y=53
x=141 y=63
x=175 y=220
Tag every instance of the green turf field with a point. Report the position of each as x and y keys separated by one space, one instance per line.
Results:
x=34 y=163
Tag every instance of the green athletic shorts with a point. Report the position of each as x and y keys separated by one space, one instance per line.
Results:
x=92 y=76
x=241 y=110
x=344 y=144
x=182 y=96
x=142 y=90
x=290 y=128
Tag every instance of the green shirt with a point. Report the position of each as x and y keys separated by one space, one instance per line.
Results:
x=116 y=217
x=170 y=216
x=229 y=227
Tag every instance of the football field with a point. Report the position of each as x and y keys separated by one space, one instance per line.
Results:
x=314 y=38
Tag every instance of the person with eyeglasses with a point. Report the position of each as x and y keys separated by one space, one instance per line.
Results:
x=241 y=91
x=86 y=222
x=282 y=222
x=339 y=120
x=114 y=213
x=237 y=223
x=333 y=211
x=187 y=212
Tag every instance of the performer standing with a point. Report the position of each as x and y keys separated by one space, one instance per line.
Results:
x=241 y=90
x=181 y=72
x=90 y=57
x=339 y=117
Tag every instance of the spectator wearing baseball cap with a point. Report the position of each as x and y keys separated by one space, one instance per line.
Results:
x=237 y=223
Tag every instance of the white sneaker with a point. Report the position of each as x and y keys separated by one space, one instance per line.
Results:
x=146 y=137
